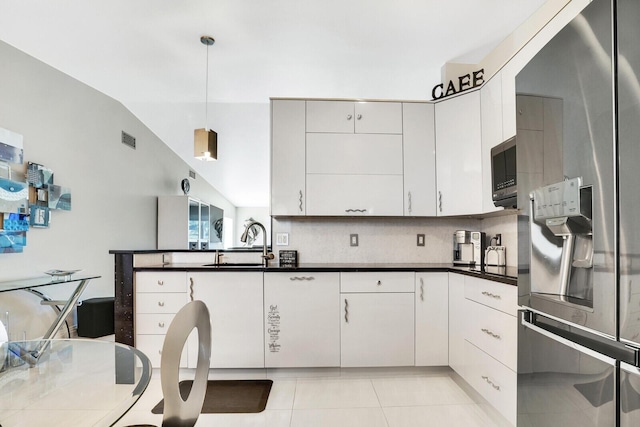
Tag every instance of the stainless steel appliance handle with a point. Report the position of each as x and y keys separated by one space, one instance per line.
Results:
x=567 y=342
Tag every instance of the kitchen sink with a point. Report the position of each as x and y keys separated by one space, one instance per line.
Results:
x=239 y=264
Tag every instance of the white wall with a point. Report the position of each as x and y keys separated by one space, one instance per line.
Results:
x=76 y=131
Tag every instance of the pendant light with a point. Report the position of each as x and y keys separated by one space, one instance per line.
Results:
x=205 y=141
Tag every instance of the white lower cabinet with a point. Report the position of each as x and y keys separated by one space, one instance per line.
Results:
x=457 y=321
x=432 y=323
x=377 y=319
x=493 y=380
x=158 y=297
x=377 y=329
x=302 y=320
x=234 y=300
x=483 y=339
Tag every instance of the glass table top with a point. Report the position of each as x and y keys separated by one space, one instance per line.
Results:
x=78 y=382
x=14 y=285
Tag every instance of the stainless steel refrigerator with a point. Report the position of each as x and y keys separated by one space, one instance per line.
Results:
x=578 y=175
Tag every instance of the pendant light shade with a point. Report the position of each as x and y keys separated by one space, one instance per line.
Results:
x=205 y=141
x=205 y=144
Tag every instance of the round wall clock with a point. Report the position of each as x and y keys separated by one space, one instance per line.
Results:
x=186 y=186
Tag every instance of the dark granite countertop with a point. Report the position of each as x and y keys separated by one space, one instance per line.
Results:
x=507 y=275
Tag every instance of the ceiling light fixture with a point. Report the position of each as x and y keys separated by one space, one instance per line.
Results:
x=205 y=141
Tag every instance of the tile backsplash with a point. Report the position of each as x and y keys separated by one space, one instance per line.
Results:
x=386 y=240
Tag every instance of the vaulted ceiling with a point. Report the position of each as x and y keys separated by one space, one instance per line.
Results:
x=147 y=55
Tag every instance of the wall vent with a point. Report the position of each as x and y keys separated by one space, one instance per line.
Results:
x=192 y=174
x=128 y=140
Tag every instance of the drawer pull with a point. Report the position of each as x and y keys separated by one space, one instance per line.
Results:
x=488 y=332
x=161 y=303
x=379 y=283
x=161 y=324
x=355 y=210
x=495 y=386
x=161 y=282
x=489 y=294
x=302 y=278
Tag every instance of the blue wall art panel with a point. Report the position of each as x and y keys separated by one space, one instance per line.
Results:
x=11 y=154
x=39 y=176
x=13 y=196
x=39 y=216
x=12 y=241
x=16 y=222
x=59 y=198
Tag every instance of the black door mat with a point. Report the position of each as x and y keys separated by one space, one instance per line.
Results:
x=229 y=396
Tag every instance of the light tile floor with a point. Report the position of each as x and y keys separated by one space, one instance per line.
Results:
x=349 y=398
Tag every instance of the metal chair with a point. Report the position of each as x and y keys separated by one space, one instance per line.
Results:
x=178 y=412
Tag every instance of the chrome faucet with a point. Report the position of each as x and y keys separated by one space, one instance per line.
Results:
x=266 y=256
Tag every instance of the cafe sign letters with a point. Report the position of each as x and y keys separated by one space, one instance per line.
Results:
x=466 y=82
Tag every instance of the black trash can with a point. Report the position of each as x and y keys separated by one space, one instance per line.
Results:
x=95 y=317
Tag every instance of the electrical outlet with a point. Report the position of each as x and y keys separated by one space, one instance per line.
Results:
x=282 y=239
x=420 y=240
x=353 y=239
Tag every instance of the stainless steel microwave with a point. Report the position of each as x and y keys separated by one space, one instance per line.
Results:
x=504 y=180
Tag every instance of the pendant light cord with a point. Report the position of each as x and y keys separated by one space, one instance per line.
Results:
x=206 y=94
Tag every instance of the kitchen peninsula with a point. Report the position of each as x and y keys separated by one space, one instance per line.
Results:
x=361 y=315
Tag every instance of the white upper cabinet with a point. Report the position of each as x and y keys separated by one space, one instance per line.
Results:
x=419 y=150
x=354 y=154
x=458 y=155
x=491 y=112
x=350 y=117
x=288 y=157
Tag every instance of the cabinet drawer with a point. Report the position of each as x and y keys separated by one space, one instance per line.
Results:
x=354 y=154
x=494 y=332
x=402 y=281
x=494 y=381
x=153 y=324
x=152 y=302
x=500 y=296
x=151 y=346
x=161 y=282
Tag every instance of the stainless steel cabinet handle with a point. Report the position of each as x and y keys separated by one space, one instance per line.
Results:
x=355 y=210
x=495 y=386
x=409 y=196
x=300 y=201
x=191 y=288
x=349 y=116
x=346 y=311
x=489 y=294
x=421 y=289
x=440 y=200
x=161 y=303
x=492 y=334
x=160 y=282
x=359 y=116
x=161 y=324
x=302 y=278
